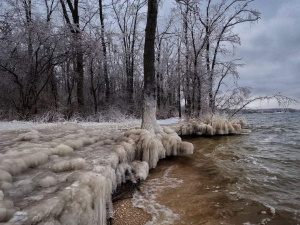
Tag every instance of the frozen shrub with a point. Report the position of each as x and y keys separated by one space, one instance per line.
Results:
x=49 y=116
x=3 y=212
x=62 y=150
x=48 y=182
x=5 y=176
x=6 y=186
x=75 y=144
x=122 y=154
x=36 y=159
x=140 y=170
x=46 y=208
x=66 y=165
x=210 y=125
x=30 y=136
x=186 y=148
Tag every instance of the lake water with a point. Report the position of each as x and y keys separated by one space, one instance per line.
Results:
x=242 y=179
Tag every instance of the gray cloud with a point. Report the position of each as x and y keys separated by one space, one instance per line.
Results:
x=271 y=49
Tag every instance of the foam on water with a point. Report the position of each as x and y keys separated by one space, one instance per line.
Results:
x=147 y=199
x=258 y=175
x=273 y=167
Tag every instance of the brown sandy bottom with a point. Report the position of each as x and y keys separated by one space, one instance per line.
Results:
x=127 y=214
x=204 y=197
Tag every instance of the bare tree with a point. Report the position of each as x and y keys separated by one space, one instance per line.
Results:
x=160 y=38
x=218 y=21
x=30 y=69
x=74 y=25
x=103 y=43
x=149 y=102
x=79 y=62
x=127 y=14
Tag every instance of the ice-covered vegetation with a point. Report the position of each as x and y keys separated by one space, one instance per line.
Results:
x=67 y=174
x=68 y=59
x=211 y=125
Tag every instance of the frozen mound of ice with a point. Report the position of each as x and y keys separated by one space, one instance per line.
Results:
x=152 y=147
x=29 y=136
x=66 y=175
x=48 y=181
x=62 y=150
x=211 y=126
x=140 y=169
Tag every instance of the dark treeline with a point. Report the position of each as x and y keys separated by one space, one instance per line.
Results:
x=68 y=58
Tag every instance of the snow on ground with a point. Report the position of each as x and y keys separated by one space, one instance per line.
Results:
x=24 y=125
x=169 y=121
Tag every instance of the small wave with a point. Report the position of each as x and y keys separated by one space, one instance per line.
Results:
x=272 y=178
x=271 y=208
x=147 y=200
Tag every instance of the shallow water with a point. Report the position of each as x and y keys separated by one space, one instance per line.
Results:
x=242 y=179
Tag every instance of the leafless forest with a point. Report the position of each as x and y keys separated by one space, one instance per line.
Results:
x=64 y=59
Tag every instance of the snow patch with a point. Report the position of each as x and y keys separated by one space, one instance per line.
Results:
x=169 y=121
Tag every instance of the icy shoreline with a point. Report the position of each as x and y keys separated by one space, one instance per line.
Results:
x=62 y=172
x=67 y=172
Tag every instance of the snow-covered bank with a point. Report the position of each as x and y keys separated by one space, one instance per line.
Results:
x=25 y=125
x=169 y=121
x=66 y=173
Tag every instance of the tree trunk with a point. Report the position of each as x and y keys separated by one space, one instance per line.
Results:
x=93 y=88
x=31 y=80
x=209 y=73
x=106 y=78
x=75 y=30
x=199 y=109
x=187 y=71
x=179 y=81
x=158 y=77
x=149 y=101
x=79 y=71
x=195 y=84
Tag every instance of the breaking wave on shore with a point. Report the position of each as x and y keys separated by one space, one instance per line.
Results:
x=242 y=179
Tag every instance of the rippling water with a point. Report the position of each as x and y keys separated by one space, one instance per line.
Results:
x=242 y=179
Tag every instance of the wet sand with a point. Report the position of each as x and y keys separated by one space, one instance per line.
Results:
x=127 y=214
x=211 y=207
x=204 y=197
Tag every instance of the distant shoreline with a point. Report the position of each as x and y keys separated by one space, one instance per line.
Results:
x=272 y=110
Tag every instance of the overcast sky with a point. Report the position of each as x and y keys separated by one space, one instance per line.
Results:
x=270 y=50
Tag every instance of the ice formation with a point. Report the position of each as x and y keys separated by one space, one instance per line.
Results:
x=67 y=175
x=211 y=126
x=48 y=181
